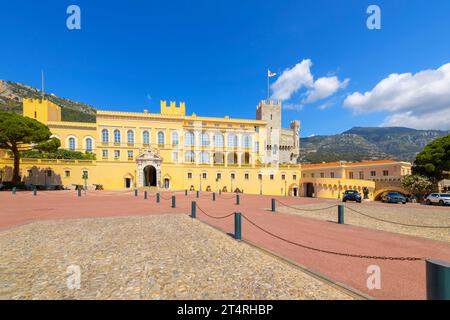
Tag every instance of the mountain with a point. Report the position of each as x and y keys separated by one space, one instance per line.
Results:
x=369 y=143
x=12 y=94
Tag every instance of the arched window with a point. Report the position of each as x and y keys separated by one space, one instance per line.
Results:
x=232 y=140
x=204 y=157
x=189 y=139
x=88 y=144
x=146 y=137
x=247 y=141
x=72 y=145
x=205 y=139
x=175 y=139
x=189 y=157
x=218 y=140
x=105 y=136
x=116 y=136
x=161 y=138
x=130 y=136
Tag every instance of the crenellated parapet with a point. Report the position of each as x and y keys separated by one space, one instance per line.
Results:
x=172 y=108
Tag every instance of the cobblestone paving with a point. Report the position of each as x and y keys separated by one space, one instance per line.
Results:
x=407 y=214
x=154 y=257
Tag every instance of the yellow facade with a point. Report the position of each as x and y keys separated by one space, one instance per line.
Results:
x=165 y=150
x=330 y=180
x=174 y=151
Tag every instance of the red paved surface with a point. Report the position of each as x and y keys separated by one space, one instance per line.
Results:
x=399 y=279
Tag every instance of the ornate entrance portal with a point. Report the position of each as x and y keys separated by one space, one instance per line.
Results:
x=149 y=168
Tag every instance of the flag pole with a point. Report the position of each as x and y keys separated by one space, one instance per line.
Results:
x=268 y=85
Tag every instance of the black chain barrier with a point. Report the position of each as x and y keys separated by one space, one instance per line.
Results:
x=333 y=252
x=169 y=198
x=214 y=217
x=394 y=222
x=232 y=197
x=304 y=209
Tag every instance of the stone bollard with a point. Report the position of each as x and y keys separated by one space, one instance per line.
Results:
x=214 y=196
x=185 y=192
x=145 y=195
x=157 y=197
x=79 y=192
x=14 y=190
x=35 y=191
x=237 y=226
x=340 y=214
x=135 y=192
x=173 y=202
x=273 y=205
x=193 y=209
x=438 y=279
x=237 y=199
x=198 y=193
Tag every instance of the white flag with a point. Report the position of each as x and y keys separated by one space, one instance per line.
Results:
x=270 y=74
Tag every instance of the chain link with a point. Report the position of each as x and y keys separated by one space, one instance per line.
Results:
x=304 y=209
x=333 y=252
x=398 y=223
x=214 y=217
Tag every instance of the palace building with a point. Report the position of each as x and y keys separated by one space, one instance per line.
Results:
x=171 y=150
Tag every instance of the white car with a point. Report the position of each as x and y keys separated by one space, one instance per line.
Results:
x=441 y=199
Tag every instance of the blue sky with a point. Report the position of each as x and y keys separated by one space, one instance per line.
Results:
x=214 y=55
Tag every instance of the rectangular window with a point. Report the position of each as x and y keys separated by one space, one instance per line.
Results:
x=373 y=173
x=175 y=156
x=332 y=174
x=204 y=175
x=67 y=173
x=294 y=177
x=116 y=154
x=283 y=177
x=246 y=176
x=361 y=175
x=322 y=175
x=350 y=175
x=85 y=175
x=385 y=173
x=233 y=176
x=30 y=173
x=219 y=176
x=272 y=177
x=189 y=176
x=105 y=154
x=312 y=175
x=130 y=154
x=259 y=176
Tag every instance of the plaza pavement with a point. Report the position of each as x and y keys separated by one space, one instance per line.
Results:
x=399 y=279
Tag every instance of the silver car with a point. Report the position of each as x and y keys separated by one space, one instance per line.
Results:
x=441 y=199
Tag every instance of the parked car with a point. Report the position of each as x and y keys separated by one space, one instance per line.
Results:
x=351 y=195
x=393 y=197
x=441 y=199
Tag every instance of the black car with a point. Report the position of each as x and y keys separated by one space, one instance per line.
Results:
x=351 y=195
x=393 y=197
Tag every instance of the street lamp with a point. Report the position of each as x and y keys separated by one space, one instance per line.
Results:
x=200 y=182
x=339 y=189
x=85 y=177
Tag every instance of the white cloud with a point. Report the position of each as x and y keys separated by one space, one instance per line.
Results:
x=420 y=100
x=433 y=120
x=325 y=87
x=299 y=77
x=325 y=105
x=291 y=80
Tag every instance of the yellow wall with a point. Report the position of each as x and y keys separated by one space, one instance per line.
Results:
x=111 y=171
x=41 y=110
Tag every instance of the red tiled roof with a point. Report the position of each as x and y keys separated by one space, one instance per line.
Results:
x=346 y=164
